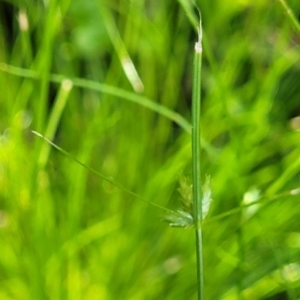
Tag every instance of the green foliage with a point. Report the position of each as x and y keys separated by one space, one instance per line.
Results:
x=111 y=83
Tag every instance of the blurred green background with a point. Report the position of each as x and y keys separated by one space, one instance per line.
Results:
x=67 y=234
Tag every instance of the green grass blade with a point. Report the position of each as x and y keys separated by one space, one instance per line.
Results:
x=188 y=7
x=196 y=160
x=106 y=178
x=290 y=15
x=122 y=53
x=44 y=60
x=264 y=200
x=60 y=102
x=107 y=89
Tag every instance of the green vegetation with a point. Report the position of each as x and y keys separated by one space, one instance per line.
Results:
x=111 y=83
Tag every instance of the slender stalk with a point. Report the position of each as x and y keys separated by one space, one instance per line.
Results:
x=57 y=110
x=196 y=159
x=43 y=61
x=107 y=179
x=293 y=20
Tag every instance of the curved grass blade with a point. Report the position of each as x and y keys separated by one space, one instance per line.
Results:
x=107 y=89
x=291 y=16
x=121 y=50
x=263 y=200
x=189 y=7
x=56 y=112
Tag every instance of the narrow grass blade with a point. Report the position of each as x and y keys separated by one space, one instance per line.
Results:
x=107 y=89
x=44 y=59
x=109 y=180
x=120 y=48
x=264 y=200
x=188 y=6
x=60 y=102
x=196 y=161
x=290 y=15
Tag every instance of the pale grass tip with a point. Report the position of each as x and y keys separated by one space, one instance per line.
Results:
x=23 y=20
x=67 y=84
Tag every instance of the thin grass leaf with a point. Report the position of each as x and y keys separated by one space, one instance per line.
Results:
x=189 y=8
x=107 y=89
x=196 y=160
x=60 y=102
x=106 y=178
x=293 y=20
x=263 y=200
x=121 y=50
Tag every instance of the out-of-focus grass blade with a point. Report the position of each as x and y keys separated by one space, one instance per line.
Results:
x=263 y=200
x=290 y=15
x=120 y=48
x=60 y=102
x=190 y=9
x=107 y=89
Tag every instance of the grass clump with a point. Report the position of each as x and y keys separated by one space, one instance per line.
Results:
x=110 y=82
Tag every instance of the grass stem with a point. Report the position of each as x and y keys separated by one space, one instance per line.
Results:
x=196 y=160
x=293 y=20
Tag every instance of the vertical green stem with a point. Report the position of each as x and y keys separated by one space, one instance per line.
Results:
x=44 y=59
x=196 y=159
